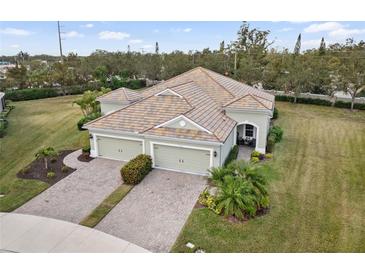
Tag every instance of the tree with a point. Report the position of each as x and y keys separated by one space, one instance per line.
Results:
x=157 y=49
x=298 y=44
x=88 y=103
x=250 y=49
x=45 y=153
x=322 y=47
x=17 y=77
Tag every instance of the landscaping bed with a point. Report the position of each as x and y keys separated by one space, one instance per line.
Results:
x=36 y=169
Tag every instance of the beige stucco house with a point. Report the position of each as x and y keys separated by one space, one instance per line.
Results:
x=188 y=123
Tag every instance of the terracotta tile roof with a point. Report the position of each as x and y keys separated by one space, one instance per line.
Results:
x=121 y=95
x=200 y=96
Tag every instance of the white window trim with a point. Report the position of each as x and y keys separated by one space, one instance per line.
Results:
x=182 y=146
x=168 y=91
x=257 y=133
x=187 y=120
x=96 y=149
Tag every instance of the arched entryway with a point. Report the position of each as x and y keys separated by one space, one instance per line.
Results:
x=247 y=134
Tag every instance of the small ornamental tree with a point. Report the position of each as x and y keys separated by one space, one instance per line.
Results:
x=45 y=153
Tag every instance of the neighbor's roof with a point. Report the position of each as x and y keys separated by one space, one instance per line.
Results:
x=200 y=95
x=120 y=95
x=143 y=116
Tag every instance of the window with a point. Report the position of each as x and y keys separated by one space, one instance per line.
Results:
x=249 y=131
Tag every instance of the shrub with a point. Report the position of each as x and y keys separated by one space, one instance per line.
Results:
x=64 y=169
x=268 y=156
x=87 y=119
x=30 y=94
x=209 y=201
x=277 y=132
x=232 y=155
x=270 y=143
x=342 y=104
x=51 y=174
x=275 y=114
x=86 y=148
x=255 y=153
x=136 y=169
x=255 y=160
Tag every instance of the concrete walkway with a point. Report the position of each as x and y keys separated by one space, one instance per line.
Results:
x=154 y=212
x=244 y=153
x=33 y=234
x=75 y=196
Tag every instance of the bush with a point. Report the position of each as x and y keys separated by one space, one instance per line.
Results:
x=208 y=200
x=51 y=174
x=64 y=169
x=255 y=160
x=30 y=94
x=86 y=148
x=268 y=156
x=314 y=101
x=232 y=155
x=277 y=132
x=275 y=114
x=270 y=143
x=255 y=153
x=136 y=169
x=342 y=104
x=87 y=119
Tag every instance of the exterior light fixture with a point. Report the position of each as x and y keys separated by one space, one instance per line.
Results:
x=215 y=154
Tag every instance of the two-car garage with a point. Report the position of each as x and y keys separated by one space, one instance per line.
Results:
x=174 y=157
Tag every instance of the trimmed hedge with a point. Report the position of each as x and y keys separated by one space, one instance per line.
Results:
x=30 y=94
x=136 y=169
x=275 y=114
x=87 y=119
x=232 y=155
x=319 y=102
x=342 y=104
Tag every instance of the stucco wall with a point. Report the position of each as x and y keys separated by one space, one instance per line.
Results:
x=260 y=120
x=227 y=146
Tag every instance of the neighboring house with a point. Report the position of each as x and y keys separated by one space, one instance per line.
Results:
x=2 y=101
x=188 y=123
x=117 y=99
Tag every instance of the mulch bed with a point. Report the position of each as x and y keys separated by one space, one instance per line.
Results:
x=83 y=157
x=36 y=170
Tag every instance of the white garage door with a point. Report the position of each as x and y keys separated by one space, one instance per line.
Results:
x=118 y=149
x=183 y=159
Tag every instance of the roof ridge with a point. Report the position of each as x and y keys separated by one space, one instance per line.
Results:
x=258 y=101
x=236 y=99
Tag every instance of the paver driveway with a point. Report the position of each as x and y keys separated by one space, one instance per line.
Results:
x=154 y=212
x=75 y=196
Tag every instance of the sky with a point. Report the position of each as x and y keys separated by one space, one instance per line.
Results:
x=85 y=37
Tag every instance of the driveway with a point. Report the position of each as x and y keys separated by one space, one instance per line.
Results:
x=154 y=212
x=75 y=196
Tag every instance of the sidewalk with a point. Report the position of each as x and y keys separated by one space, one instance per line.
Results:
x=33 y=234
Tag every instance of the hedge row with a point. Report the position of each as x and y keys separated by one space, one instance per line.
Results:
x=317 y=101
x=30 y=94
x=136 y=169
x=232 y=155
x=40 y=93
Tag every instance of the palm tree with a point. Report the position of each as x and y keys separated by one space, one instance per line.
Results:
x=235 y=197
x=45 y=153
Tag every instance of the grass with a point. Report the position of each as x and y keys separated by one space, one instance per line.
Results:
x=318 y=200
x=104 y=208
x=32 y=125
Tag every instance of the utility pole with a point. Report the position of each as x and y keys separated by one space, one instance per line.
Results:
x=59 y=40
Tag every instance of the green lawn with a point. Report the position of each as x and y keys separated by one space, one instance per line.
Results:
x=318 y=202
x=32 y=125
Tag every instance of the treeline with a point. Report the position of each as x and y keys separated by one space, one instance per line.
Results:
x=250 y=59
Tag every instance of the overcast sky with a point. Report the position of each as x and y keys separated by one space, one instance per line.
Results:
x=85 y=37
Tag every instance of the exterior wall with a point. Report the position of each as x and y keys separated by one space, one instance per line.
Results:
x=260 y=120
x=109 y=107
x=227 y=146
x=2 y=101
x=216 y=161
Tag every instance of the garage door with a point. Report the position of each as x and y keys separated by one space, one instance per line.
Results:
x=118 y=149
x=181 y=159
